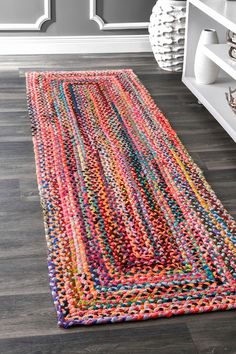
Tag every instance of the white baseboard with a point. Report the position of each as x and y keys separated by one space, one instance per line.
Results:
x=74 y=44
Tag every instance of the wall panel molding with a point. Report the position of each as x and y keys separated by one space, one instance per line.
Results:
x=74 y=44
x=46 y=16
x=113 y=26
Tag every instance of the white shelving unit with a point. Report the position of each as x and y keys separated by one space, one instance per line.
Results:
x=221 y=15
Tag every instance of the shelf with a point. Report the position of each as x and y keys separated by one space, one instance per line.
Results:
x=222 y=11
x=214 y=99
x=220 y=15
x=219 y=54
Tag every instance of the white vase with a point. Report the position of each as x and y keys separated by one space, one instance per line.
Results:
x=167 y=31
x=205 y=70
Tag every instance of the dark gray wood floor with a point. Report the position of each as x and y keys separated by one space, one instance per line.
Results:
x=27 y=316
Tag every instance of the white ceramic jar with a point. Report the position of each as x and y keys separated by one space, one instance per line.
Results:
x=205 y=70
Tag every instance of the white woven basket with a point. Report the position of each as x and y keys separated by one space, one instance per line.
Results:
x=167 y=32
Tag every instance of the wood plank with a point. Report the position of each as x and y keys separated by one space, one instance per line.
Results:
x=149 y=339
x=214 y=333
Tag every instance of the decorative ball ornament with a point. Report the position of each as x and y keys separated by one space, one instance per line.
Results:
x=231 y=40
x=167 y=33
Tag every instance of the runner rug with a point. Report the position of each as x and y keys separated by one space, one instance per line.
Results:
x=133 y=229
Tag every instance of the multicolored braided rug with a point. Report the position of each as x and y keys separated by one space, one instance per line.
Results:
x=133 y=229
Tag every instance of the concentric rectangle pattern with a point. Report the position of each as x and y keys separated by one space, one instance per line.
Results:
x=133 y=229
